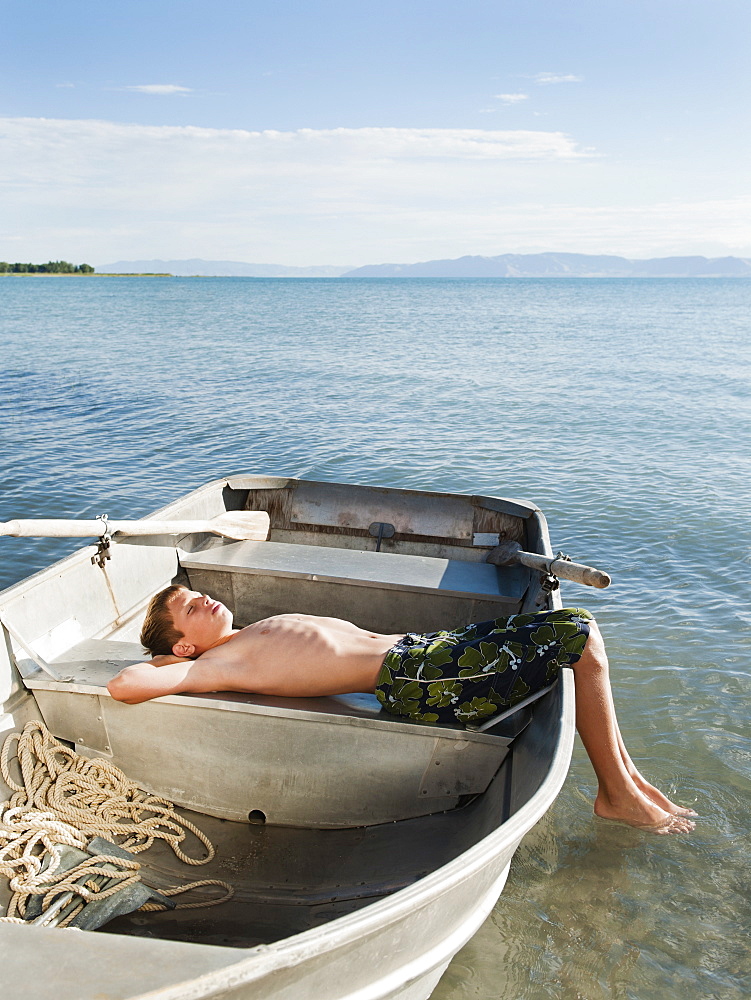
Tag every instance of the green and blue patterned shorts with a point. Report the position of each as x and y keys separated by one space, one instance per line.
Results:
x=471 y=673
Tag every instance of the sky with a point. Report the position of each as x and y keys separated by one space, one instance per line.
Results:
x=311 y=133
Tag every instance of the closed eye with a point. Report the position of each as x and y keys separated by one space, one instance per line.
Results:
x=190 y=608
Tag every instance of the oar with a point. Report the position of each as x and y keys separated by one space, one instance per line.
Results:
x=510 y=552
x=241 y=525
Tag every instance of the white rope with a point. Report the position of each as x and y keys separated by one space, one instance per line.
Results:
x=67 y=799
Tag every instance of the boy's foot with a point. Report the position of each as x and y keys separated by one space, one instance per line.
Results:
x=643 y=814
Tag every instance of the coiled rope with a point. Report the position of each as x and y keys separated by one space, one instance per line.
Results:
x=67 y=799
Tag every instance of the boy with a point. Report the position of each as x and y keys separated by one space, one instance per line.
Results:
x=462 y=675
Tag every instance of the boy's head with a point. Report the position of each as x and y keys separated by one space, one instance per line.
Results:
x=159 y=633
x=184 y=623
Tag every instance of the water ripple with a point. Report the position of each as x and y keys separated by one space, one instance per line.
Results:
x=621 y=407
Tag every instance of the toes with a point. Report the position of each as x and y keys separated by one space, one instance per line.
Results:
x=673 y=824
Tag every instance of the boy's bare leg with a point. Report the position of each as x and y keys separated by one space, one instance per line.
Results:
x=622 y=793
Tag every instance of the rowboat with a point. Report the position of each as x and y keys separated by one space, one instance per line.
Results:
x=364 y=850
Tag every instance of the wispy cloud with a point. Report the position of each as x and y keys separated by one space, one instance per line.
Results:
x=511 y=98
x=186 y=168
x=543 y=78
x=160 y=89
x=99 y=190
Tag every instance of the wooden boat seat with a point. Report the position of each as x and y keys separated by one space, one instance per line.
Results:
x=391 y=592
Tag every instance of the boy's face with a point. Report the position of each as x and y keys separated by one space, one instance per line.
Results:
x=203 y=622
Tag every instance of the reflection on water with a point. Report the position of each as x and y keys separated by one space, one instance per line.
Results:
x=620 y=406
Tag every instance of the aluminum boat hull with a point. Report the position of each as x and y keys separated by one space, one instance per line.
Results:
x=362 y=901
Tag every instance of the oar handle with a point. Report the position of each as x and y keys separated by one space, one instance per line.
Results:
x=510 y=552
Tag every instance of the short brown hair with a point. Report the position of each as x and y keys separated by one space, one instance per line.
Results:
x=159 y=634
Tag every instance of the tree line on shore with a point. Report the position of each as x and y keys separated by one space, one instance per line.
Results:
x=51 y=267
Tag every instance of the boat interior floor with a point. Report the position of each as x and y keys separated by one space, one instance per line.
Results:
x=287 y=880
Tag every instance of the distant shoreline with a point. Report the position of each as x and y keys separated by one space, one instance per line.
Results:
x=94 y=274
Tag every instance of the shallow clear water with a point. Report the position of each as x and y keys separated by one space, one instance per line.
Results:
x=620 y=406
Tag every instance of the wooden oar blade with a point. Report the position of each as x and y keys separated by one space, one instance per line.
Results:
x=243 y=525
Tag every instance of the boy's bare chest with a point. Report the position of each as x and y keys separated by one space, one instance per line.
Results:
x=277 y=640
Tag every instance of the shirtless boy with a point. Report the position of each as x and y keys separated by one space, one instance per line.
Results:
x=463 y=675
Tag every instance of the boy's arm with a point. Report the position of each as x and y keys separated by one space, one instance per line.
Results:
x=161 y=676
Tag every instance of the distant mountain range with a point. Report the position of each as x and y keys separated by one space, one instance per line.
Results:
x=561 y=265
x=507 y=265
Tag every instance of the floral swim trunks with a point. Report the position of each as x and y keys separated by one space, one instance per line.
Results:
x=470 y=673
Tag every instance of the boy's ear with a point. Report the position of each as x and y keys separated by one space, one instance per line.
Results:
x=183 y=649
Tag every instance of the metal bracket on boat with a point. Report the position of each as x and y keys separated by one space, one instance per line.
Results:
x=381 y=530
x=103 y=553
x=550 y=581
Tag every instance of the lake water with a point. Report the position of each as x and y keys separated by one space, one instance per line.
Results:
x=620 y=406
